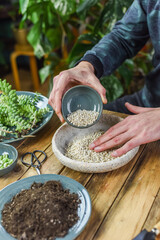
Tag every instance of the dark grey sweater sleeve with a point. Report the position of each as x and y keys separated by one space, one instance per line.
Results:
x=127 y=37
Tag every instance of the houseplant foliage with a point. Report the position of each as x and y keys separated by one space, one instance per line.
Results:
x=18 y=113
x=63 y=30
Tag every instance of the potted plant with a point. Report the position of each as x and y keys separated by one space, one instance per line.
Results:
x=20 y=28
x=63 y=31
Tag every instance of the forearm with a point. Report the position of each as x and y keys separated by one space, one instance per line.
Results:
x=127 y=37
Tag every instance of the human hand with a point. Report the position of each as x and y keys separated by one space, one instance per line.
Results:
x=82 y=74
x=141 y=128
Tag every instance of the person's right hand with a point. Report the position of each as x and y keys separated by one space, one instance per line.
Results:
x=82 y=74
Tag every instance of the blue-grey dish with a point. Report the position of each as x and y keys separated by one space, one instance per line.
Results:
x=81 y=97
x=42 y=103
x=13 y=154
x=84 y=210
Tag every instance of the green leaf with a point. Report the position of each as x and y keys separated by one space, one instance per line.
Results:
x=23 y=21
x=53 y=57
x=112 y=11
x=85 y=42
x=54 y=36
x=35 y=11
x=126 y=74
x=85 y=6
x=34 y=38
x=105 y=16
x=51 y=16
x=34 y=34
x=130 y=63
x=88 y=37
x=45 y=44
x=23 y=5
x=64 y=7
x=78 y=50
x=113 y=86
x=50 y=63
x=45 y=72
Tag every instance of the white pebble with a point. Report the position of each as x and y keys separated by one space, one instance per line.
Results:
x=79 y=150
x=82 y=118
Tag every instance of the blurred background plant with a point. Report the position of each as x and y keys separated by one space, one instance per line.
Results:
x=63 y=30
x=10 y=20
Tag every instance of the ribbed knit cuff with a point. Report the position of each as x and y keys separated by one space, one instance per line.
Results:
x=95 y=62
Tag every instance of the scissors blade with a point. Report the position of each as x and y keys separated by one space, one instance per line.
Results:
x=38 y=170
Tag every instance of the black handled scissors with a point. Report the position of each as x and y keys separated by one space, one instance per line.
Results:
x=33 y=160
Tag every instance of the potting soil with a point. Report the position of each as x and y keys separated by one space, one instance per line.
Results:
x=43 y=212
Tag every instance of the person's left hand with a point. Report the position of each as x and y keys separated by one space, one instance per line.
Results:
x=134 y=130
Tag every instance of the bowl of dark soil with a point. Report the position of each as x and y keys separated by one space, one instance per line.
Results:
x=8 y=158
x=47 y=206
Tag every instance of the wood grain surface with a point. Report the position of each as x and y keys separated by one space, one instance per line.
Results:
x=124 y=201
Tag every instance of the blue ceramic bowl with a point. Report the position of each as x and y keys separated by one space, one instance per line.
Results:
x=13 y=154
x=84 y=210
x=84 y=98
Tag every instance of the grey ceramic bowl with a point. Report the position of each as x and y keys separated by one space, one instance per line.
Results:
x=65 y=134
x=13 y=154
x=81 y=97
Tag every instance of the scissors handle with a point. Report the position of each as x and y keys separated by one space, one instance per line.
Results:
x=34 y=159
x=25 y=163
x=40 y=151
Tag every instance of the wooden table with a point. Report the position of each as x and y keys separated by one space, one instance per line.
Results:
x=124 y=201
